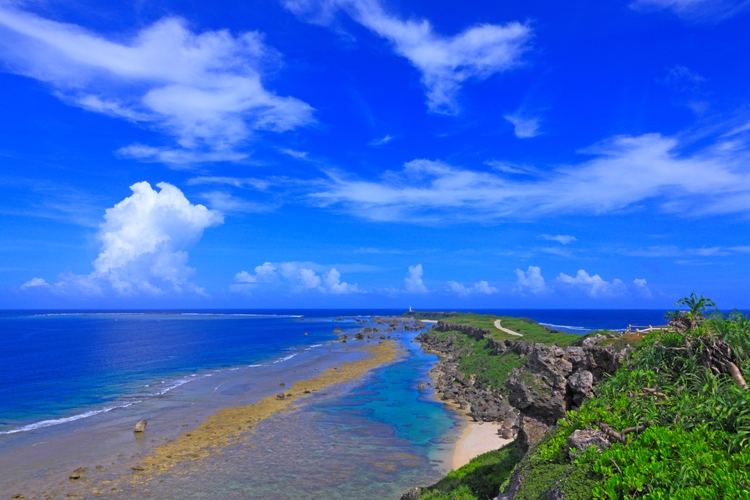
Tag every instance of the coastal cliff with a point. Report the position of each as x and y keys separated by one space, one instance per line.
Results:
x=549 y=381
x=658 y=414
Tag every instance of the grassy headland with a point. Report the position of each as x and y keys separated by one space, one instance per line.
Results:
x=479 y=358
x=530 y=329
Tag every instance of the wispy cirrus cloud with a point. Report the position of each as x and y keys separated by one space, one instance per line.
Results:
x=381 y=140
x=694 y=10
x=227 y=203
x=238 y=182
x=625 y=172
x=560 y=238
x=673 y=251
x=445 y=62
x=202 y=89
x=525 y=126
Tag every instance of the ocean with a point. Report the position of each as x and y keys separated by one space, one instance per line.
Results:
x=65 y=374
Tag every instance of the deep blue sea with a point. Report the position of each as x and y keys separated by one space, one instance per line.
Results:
x=56 y=366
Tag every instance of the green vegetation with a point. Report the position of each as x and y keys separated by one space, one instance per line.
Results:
x=677 y=414
x=478 y=358
x=479 y=479
x=429 y=314
x=530 y=329
x=689 y=423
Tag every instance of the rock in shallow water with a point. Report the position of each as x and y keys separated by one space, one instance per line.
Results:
x=141 y=426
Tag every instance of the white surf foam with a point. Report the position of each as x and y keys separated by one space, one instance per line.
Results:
x=285 y=358
x=65 y=420
x=567 y=327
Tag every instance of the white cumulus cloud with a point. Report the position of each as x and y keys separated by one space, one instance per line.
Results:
x=413 y=281
x=144 y=241
x=203 y=89
x=641 y=288
x=478 y=287
x=299 y=277
x=445 y=62
x=530 y=281
x=265 y=273
x=34 y=282
x=594 y=285
x=332 y=282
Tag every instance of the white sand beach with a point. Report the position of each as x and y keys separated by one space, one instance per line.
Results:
x=476 y=439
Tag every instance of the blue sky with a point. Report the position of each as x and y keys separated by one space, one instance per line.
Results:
x=373 y=153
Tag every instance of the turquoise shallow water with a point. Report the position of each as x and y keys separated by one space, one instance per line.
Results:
x=372 y=438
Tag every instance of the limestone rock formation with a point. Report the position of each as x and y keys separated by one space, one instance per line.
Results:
x=470 y=331
x=580 y=440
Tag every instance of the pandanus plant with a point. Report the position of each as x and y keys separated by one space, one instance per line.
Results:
x=712 y=350
x=690 y=319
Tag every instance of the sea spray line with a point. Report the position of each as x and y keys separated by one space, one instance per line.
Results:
x=285 y=358
x=178 y=383
x=58 y=421
x=552 y=325
x=152 y=389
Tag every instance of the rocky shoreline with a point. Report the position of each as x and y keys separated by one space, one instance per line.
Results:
x=550 y=381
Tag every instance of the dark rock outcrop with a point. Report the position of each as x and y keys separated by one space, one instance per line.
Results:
x=552 y=381
x=470 y=331
x=484 y=403
x=412 y=494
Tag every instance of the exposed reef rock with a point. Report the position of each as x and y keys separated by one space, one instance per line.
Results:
x=141 y=426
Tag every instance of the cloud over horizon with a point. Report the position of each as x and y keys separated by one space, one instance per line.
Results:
x=297 y=276
x=480 y=287
x=413 y=281
x=532 y=282
x=144 y=241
